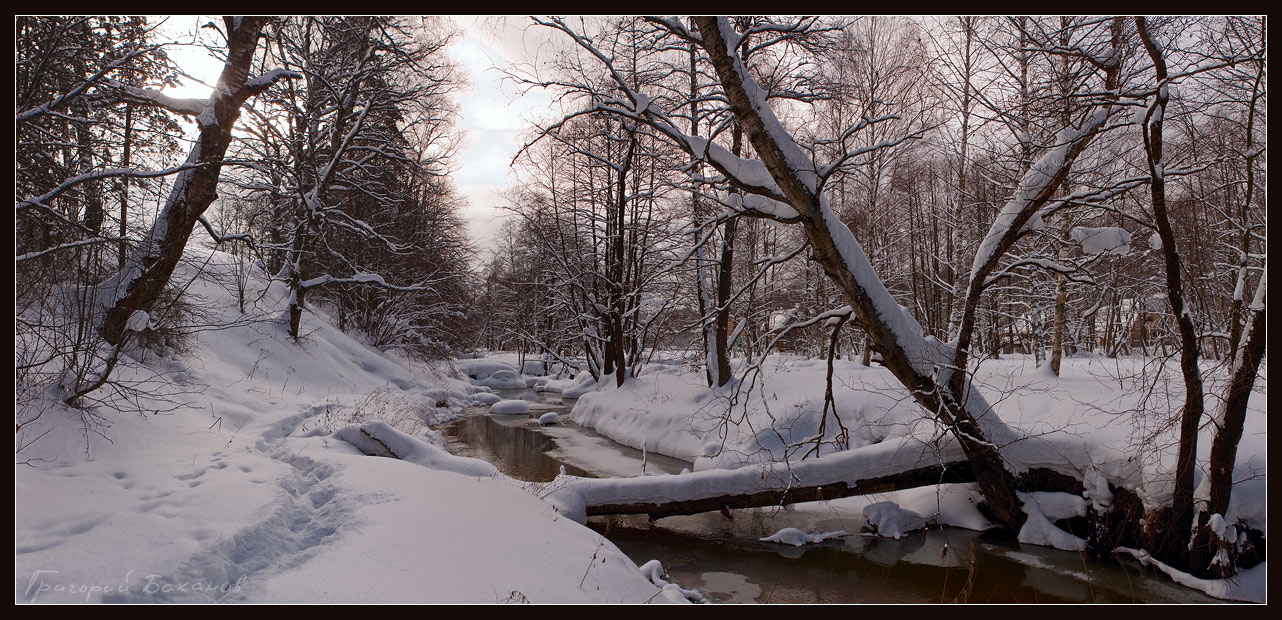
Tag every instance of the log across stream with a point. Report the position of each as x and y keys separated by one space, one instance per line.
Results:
x=724 y=558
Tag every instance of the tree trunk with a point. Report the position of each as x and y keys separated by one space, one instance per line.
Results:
x=139 y=286
x=949 y=403
x=1185 y=465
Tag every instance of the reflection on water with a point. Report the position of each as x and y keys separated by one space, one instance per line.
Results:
x=723 y=558
x=517 y=450
x=935 y=566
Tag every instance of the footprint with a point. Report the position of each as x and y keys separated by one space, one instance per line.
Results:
x=120 y=475
x=196 y=474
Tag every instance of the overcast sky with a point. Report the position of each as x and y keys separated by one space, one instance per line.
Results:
x=492 y=113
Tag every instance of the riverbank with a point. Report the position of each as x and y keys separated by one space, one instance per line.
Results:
x=1086 y=421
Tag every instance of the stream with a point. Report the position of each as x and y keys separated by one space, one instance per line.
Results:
x=723 y=558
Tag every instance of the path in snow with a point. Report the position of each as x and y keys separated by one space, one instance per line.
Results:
x=308 y=512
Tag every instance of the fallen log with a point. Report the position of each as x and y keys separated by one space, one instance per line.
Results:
x=925 y=476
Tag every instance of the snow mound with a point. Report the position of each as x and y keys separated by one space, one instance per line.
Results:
x=653 y=571
x=486 y=398
x=510 y=407
x=550 y=418
x=379 y=439
x=502 y=380
x=795 y=537
x=889 y=520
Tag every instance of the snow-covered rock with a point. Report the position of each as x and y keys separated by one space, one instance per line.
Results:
x=510 y=407
x=549 y=418
x=889 y=520
x=795 y=537
x=502 y=380
x=486 y=398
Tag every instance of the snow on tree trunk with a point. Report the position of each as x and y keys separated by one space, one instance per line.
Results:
x=138 y=286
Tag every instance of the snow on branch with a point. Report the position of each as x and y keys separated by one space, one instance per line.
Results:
x=264 y=81
x=144 y=96
x=80 y=88
x=1105 y=240
x=1034 y=191
x=40 y=201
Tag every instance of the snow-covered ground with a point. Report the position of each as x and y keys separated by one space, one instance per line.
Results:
x=243 y=475
x=243 y=484
x=1102 y=419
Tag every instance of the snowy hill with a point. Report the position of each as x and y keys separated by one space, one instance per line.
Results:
x=229 y=481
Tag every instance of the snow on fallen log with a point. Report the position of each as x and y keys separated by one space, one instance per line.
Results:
x=378 y=439
x=894 y=464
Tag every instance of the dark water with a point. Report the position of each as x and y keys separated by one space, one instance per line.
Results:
x=724 y=559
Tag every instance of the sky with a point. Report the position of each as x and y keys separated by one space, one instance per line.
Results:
x=493 y=113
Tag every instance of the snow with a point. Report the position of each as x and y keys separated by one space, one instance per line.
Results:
x=269 y=77
x=379 y=439
x=581 y=384
x=502 y=380
x=1249 y=585
x=889 y=520
x=486 y=398
x=510 y=407
x=275 y=441
x=138 y=321
x=1106 y=240
x=653 y=570
x=795 y=537
x=242 y=477
x=550 y=417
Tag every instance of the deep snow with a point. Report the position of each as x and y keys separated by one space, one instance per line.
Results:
x=251 y=484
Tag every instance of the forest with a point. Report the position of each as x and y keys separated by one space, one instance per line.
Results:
x=952 y=203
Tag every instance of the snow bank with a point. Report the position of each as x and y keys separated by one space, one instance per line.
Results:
x=1038 y=529
x=482 y=368
x=379 y=439
x=672 y=412
x=1250 y=585
x=581 y=384
x=502 y=380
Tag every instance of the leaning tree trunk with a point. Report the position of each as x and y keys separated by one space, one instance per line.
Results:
x=139 y=285
x=994 y=480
